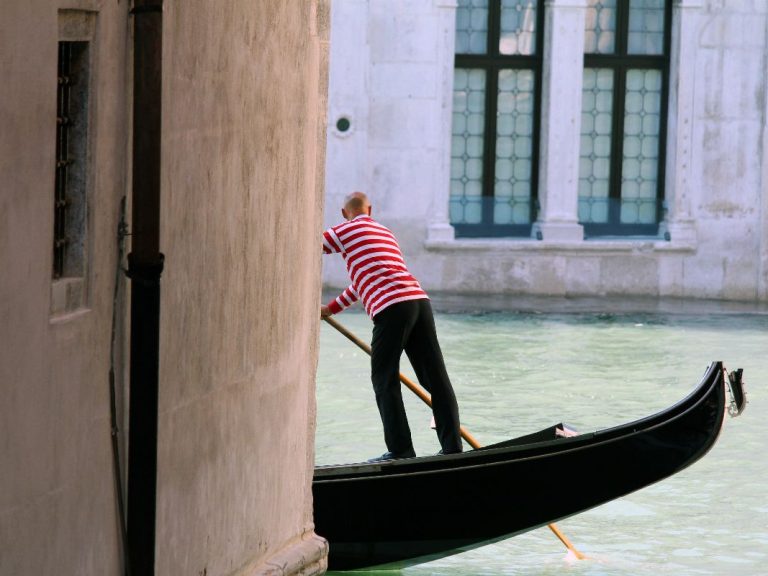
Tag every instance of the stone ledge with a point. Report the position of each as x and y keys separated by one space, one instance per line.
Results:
x=624 y=245
x=68 y=298
x=307 y=556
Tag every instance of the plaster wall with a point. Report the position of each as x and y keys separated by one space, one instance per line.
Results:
x=244 y=100
x=395 y=70
x=58 y=512
x=243 y=152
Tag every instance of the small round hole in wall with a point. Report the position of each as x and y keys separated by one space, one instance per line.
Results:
x=343 y=124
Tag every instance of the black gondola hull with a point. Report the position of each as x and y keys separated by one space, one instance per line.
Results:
x=409 y=511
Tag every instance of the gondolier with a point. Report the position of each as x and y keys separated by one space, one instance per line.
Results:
x=403 y=320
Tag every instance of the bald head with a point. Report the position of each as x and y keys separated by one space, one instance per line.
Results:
x=356 y=204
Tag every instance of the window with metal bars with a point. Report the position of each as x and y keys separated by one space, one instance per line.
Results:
x=624 y=112
x=70 y=200
x=495 y=128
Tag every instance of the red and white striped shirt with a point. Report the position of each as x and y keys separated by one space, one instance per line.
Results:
x=374 y=263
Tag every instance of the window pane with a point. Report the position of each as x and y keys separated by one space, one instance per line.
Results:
x=518 y=27
x=595 y=153
x=514 y=147
x=472 y=27
x=640 y=163
x=600 y=27
x=646 y=27
x=467 y=147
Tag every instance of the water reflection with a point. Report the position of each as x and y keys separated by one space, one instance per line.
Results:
x=515 y=372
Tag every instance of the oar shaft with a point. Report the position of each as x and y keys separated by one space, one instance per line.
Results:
x=428 y=401
x=566 y=542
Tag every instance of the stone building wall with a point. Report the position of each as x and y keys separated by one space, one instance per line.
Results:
x=392 y=79
x=240 y=223
x=58 y=511
x=244 y=98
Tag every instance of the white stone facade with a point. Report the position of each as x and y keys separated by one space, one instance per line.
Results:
x=392 y=66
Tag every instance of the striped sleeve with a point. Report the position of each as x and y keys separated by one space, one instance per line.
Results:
x=331 y=242
x=345 y=299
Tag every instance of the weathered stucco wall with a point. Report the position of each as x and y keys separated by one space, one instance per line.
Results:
x=391 y=76
x=58 y=512
x=243 y=161
x=240 y=223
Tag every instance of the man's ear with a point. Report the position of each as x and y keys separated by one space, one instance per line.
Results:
x=344 y=214
x=369 y=210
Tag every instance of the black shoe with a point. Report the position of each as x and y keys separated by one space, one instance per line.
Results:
x=446 y=452
x=393 y=456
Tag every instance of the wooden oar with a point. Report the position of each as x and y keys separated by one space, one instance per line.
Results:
x=425 y=397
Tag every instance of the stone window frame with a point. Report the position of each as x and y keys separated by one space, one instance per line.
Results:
x=557 y=227
x=70 y=292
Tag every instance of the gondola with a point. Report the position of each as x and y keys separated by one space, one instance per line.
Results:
x=404 y=512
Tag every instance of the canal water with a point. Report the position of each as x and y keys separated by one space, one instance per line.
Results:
x=519 y=367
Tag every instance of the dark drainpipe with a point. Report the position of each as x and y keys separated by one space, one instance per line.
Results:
x=145 y=265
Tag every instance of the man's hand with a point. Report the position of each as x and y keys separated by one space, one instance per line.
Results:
x=325 y=312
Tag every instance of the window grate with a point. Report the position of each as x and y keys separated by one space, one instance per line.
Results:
x=63 y=127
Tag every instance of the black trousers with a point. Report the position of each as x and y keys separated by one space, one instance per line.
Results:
x=410 y=326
